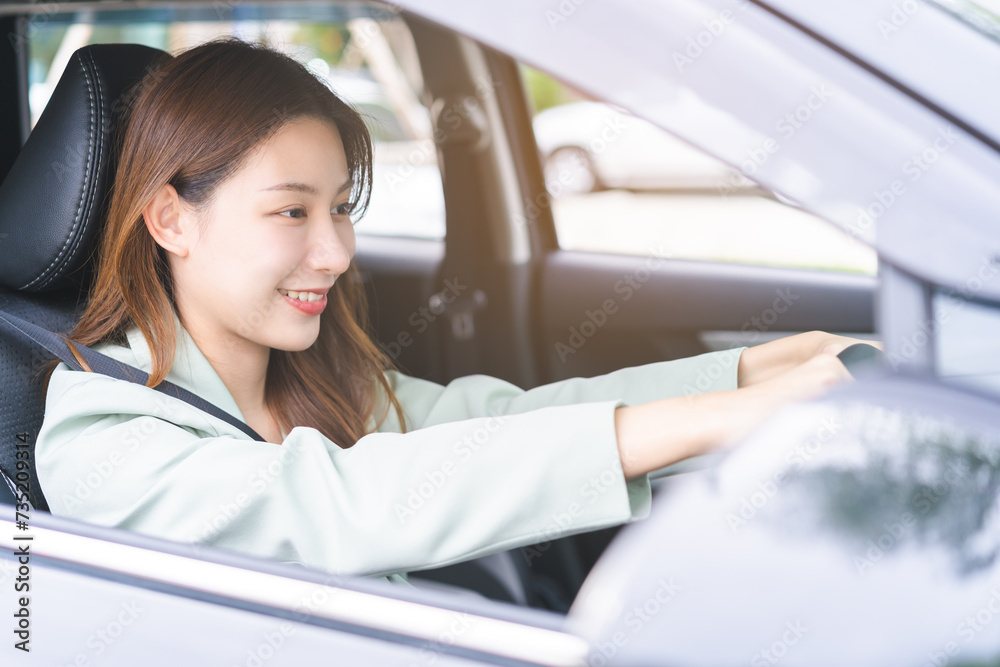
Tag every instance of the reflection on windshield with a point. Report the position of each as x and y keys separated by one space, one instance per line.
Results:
x=983 y=15
x=903 y=477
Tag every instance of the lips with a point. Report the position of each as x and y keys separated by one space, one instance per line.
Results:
x=310 y=302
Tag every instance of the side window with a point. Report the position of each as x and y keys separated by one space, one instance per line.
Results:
x=366 y=55
x=622 y=185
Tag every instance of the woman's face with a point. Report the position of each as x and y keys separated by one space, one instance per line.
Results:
x=274 y=239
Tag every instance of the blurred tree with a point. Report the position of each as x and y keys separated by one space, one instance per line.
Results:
x=325 y=39
x=545 y=91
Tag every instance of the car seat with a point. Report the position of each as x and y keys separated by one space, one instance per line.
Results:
x=52 y=204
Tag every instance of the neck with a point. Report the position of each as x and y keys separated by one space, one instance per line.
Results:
x=240 y=364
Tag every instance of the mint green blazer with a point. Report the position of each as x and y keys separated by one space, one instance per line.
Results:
x=485 y=467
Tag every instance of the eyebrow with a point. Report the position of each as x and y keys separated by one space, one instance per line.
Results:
x=298 y=186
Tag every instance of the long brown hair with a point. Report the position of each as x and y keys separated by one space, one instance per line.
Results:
x=193 y=121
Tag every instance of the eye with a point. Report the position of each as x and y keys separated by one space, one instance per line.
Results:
x=344 y=209
x=296 y=213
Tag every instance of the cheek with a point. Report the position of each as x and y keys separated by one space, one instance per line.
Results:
x=242 y=265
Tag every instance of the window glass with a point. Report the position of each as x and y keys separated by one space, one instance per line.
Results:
x=620 y=184
x=366 y=54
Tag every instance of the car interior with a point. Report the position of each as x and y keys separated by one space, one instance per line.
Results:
x=520 y=295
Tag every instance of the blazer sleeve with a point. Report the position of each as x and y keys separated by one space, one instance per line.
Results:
x=426 y=403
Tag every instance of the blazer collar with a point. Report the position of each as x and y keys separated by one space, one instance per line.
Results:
x=190 y=370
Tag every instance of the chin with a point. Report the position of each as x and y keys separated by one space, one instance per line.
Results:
x=296 y=341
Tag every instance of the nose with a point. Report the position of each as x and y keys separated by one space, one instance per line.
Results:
x=331 y=247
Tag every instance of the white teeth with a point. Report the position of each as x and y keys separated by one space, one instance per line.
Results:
x=301 y=296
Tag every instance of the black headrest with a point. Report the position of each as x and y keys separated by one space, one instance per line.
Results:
x=54 y=199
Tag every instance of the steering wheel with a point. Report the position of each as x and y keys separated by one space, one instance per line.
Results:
x=861 y=358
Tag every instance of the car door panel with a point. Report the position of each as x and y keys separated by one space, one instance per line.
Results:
x=599 y=312
x=399 y=276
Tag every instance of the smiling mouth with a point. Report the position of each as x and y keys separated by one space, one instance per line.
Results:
x=302 y=296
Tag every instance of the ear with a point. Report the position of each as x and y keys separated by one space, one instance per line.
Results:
x=169 y=221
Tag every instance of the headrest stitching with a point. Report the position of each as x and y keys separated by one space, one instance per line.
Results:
x=87 y=192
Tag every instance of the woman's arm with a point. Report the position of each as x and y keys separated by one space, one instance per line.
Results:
x=660 y=433
x=120 y=454
x=428 y=403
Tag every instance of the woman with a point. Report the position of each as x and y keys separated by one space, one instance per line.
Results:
x=226 y=267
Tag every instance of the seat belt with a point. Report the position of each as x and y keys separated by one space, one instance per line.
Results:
x=464 y=248
x=101 y=363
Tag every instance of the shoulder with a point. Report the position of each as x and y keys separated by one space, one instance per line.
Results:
x=64 y=378
x=77 y=401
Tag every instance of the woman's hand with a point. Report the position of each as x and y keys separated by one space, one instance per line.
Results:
x=770 y=360
x=807 y=380
x=657 y=434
